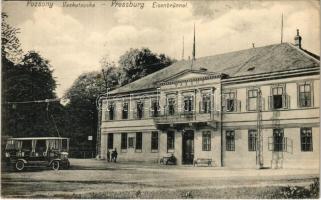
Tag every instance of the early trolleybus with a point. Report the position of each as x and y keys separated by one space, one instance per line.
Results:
x=38 y=152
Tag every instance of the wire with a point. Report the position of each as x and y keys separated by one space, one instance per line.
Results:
x=35 y=101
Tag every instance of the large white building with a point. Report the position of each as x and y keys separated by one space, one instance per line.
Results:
x=254 y=107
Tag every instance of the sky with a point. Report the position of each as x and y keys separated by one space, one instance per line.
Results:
x=74 y=40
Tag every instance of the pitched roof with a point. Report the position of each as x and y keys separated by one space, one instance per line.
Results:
x=271 y=58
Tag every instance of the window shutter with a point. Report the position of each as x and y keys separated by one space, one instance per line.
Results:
x=200 y=107
x=106 y=114
x=247 y=103
x=285 y=101
x=135 y=112
x=237 y=105
x=271 y=144
x=270 y=101
x=262 y=104
x=289 y=146
x=224 y=103
x=143 y=110
x=115 y=111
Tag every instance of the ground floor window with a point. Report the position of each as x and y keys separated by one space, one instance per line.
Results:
x=139 y=141
x=278 y=139
x=306 y=139
x=230 y=140
x=154 y=143
x=170 y=140
x=206 y=141
x=123 y=141
x=110 y=141
x=252 y=140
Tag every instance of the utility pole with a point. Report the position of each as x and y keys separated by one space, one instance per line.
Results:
x=259 y=138
x=282 y=29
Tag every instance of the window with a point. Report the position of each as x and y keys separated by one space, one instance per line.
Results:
x=140 y=110
x=130 y=142
x=306 y=139
x=110 y=141
x=111 y=112
x=305 y=95
x=206 y=104
x=230 y=101
x=278 y=140
x=123 y=140
x=170 y=140
x=252 y=140
x=230 y=141
x=252 y=100
x=171 y=106
x=278 y=98
x=154 y=145
x=155 y=108
x=139 y=140
x=188 y=104
x=40 y=147
x=125 y=110
x=206 y=141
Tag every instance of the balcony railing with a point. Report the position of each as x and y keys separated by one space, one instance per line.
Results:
x=183 y=117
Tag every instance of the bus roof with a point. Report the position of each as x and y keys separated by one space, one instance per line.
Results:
x=39 y=138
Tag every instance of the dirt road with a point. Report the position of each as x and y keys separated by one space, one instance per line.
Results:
x=98 y=179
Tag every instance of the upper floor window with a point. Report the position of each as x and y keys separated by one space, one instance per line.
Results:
x=139 y=110
x=206 y=141
x=125 y=110
x=306 y=139
x=111 y=111
x=279 y=99
x=305 y=95
x=252 y=140
x=252 y=99
x=154 y=108
x=188 y=104
x=205 y=104
x=230 y=140
x=171 y=106
x=230 y=102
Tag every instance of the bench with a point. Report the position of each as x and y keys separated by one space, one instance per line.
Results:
x=204 y=161
x=168 y=160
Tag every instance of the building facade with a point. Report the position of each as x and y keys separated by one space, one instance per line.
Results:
x=257 y=107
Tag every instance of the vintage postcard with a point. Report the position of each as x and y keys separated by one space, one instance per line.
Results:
x=160 y=99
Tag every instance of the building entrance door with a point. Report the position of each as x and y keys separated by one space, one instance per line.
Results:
x=188 y=147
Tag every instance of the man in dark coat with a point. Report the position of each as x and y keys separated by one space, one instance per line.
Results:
x=114 y=155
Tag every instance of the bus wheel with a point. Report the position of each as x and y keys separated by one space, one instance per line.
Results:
x=55 y=165
x=20 y=165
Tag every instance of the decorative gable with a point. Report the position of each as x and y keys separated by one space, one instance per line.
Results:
x=189 y=75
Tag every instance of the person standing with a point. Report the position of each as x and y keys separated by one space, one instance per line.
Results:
x=114 y=155
x=108 y=155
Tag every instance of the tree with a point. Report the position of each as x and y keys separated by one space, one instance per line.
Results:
x=81 y=119
x=26 y=83
x=10 y=44
x=137 y=63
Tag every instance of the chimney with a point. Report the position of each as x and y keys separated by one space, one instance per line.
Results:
x=297 y=39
